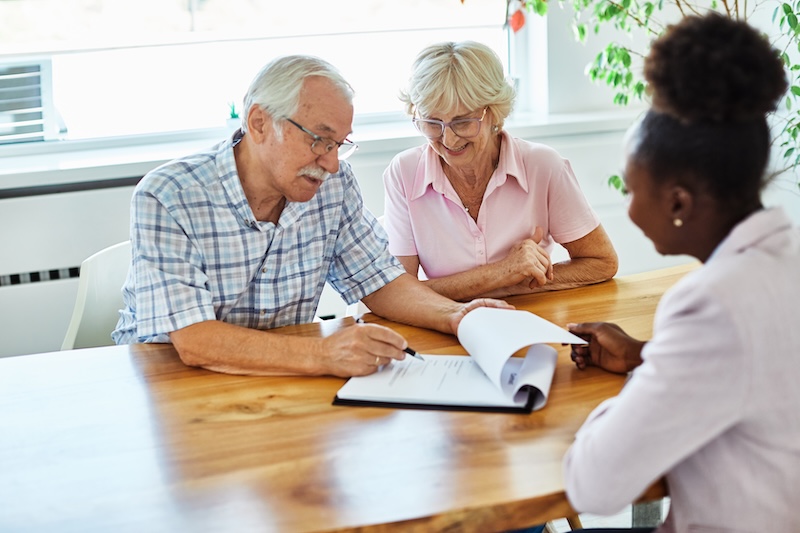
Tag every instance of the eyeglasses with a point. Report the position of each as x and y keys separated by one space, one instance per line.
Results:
x=463 y=127
x=323 y=145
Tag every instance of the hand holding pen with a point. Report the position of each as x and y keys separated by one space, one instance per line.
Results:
x=407 y=349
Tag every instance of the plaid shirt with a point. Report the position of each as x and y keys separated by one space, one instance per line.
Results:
x=199 y=254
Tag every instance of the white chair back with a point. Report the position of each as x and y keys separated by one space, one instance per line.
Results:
x=99 y=298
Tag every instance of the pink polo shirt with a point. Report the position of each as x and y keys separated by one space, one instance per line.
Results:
x=532 y=186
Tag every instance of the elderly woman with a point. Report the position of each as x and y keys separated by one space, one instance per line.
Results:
x=713 y=401
x=479 y=210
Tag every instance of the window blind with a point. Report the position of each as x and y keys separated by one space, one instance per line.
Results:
x=27 y=112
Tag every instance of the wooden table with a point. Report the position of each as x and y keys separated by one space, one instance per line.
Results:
x=127 y=438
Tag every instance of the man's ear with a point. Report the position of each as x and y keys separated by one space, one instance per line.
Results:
x=259 y=124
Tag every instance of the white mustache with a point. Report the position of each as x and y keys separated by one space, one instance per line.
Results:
x=314 y=172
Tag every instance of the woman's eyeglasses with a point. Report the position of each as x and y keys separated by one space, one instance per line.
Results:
x=463 y=127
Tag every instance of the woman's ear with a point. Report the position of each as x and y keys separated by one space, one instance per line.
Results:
x=680 y=204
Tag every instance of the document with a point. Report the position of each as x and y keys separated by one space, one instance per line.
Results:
x=489 y=379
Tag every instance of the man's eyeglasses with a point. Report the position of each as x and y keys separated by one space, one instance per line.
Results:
x=463 y=127
x=323 y=146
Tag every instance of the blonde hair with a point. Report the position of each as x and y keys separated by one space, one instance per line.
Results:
x=450 y=74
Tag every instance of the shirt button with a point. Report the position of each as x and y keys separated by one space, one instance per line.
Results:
x=264 y=269
x=263 y=311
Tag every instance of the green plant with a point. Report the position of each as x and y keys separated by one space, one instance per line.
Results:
x=618 y=64
x=232 y=110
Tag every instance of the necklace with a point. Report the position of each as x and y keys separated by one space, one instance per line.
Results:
x=469 y=196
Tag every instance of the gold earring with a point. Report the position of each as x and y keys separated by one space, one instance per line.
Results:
x=677 y=222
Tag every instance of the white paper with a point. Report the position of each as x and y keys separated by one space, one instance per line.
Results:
x=489 y=377
x=492 y=335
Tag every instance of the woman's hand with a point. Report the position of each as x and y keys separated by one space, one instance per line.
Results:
x=609 y=347
x=527 y=262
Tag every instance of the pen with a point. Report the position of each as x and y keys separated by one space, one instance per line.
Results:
x=413 y=353
x=410 y=351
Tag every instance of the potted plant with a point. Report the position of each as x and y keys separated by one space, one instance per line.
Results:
x=233 y=121
x=618 y=64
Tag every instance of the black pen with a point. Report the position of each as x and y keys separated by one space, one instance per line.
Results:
x=413 y=353
x=410 y=351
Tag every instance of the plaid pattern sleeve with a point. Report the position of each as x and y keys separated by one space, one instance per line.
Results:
x=198 y=253
x=362 y=263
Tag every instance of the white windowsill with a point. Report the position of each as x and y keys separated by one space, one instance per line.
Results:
x=60 y=162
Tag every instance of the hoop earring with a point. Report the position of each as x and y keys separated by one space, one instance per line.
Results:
x=677 y=223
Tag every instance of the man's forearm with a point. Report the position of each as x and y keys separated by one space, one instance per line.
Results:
x=408 y=301
x=222 y=347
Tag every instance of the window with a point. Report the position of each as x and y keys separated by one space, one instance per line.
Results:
x=126 y=67
x=26 y=103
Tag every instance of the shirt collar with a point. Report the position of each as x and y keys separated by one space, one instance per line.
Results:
x=229 y=179
x=755 y=229
x=430 y=173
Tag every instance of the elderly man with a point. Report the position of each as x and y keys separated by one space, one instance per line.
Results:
x=231 y=242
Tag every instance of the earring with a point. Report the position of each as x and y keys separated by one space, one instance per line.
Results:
x=495 y=128
x=677 y=222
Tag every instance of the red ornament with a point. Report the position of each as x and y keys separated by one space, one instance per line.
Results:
x=517 y=20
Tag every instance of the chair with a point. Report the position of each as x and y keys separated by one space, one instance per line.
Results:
x=99 y=299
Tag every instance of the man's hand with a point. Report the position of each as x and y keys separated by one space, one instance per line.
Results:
x=462 y=311
x=609 y=347
x=361 y=349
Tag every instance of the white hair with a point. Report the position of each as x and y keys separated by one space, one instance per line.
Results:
x=276 y=88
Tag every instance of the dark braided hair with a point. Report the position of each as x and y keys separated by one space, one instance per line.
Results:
x=712 y=81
